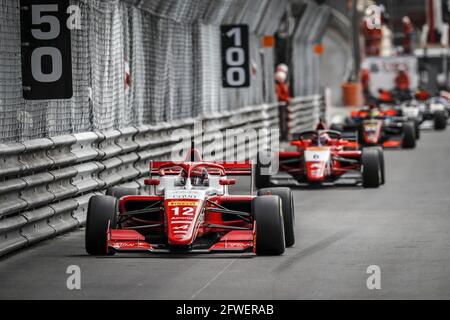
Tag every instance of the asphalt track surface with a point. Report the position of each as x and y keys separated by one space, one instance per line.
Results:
x=403 y=227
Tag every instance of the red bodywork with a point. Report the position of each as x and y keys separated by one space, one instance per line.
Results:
x=185 y=220
x=325 y=162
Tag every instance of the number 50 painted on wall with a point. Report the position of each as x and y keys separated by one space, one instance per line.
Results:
x=235 y=56
x=46 y=50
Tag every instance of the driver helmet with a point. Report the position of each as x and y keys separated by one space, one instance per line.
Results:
x=181 y=179
x=324 y=139
x=200 y=179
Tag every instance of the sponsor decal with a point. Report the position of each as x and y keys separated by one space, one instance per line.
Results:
x=179 y=203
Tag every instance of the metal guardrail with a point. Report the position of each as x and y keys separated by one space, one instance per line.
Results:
x=304 y=113
x=46 y=184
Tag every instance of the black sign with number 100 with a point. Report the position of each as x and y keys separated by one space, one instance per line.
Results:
x=235 y=56
x=46 y=50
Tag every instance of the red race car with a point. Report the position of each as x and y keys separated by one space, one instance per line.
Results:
x=324 y=157
x=191 y=210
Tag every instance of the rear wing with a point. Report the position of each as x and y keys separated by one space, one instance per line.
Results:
x=237 y=168
x=231 y=168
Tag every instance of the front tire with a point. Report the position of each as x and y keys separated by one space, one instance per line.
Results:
x=287 y=203
x=382 y=167
x=409 y=136
x=101 y=213
x=440 y=120
x=371 y=169
x=269 y=225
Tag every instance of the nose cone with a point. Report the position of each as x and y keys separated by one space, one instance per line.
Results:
x=371 y=137
x=316 y=171
x=182 y=219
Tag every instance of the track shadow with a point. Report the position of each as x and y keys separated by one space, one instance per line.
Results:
x=167 y=256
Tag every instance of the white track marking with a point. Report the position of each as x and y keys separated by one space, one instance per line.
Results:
x=213 y=279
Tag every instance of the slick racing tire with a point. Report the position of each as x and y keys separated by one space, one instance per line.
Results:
x=287 y=203
x=337 y=127
x=101 y=213
x=119 y=192
x=417 y=129
x=371 y=169
x=262 y=180
x=440 y=120
x=409 y=135
x=267 y=212
x=381 y=159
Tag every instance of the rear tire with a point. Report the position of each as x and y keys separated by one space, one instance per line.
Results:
x=337 y=127
x=119 y=192
x=269 y=225
x=440 y=120
x=409 y=135
x=261 y=180
x=287 y=202
x=371 y=169
x=101 y=213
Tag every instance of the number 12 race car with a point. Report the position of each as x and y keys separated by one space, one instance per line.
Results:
x=323 y=157
x=191 y=211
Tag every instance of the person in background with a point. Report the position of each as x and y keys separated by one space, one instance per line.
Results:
x=365 y=81
x=282 y=92
x=408 y=31
x=402 y=84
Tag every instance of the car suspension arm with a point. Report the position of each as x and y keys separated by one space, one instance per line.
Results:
x=220 y=226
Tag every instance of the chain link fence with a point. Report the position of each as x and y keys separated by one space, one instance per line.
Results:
x=172 y=48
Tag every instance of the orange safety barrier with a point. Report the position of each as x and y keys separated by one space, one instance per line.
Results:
x=352 y=94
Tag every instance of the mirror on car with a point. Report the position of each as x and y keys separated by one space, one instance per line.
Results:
x=151 y=182
x=227 y=182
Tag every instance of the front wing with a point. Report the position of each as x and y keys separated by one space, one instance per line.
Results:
x=126 y=240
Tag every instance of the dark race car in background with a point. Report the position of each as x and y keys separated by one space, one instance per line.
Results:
x=191 y=210
x=377 y=126
x=324 y=157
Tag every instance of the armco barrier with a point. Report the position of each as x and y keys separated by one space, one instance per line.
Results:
x=46 y=184
x=305 y=112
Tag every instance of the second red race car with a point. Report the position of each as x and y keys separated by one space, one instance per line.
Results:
x=324 y=157
x=191 y=210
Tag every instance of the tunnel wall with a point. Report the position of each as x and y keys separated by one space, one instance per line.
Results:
x=306 y=64
x=173 y=51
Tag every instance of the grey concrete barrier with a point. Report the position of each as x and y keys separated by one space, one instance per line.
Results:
x=35 y=157
x=84 y=148
x=305 y=112
x=10 y=236
x=110 y=174
x=10 y=196
x=126 y=140
x=62 y=186
x=36 y=193
x=9 y=159
x=107 y=145
x=60 y=153
x=37 y=227
x=62 y=219
x=87 y=178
